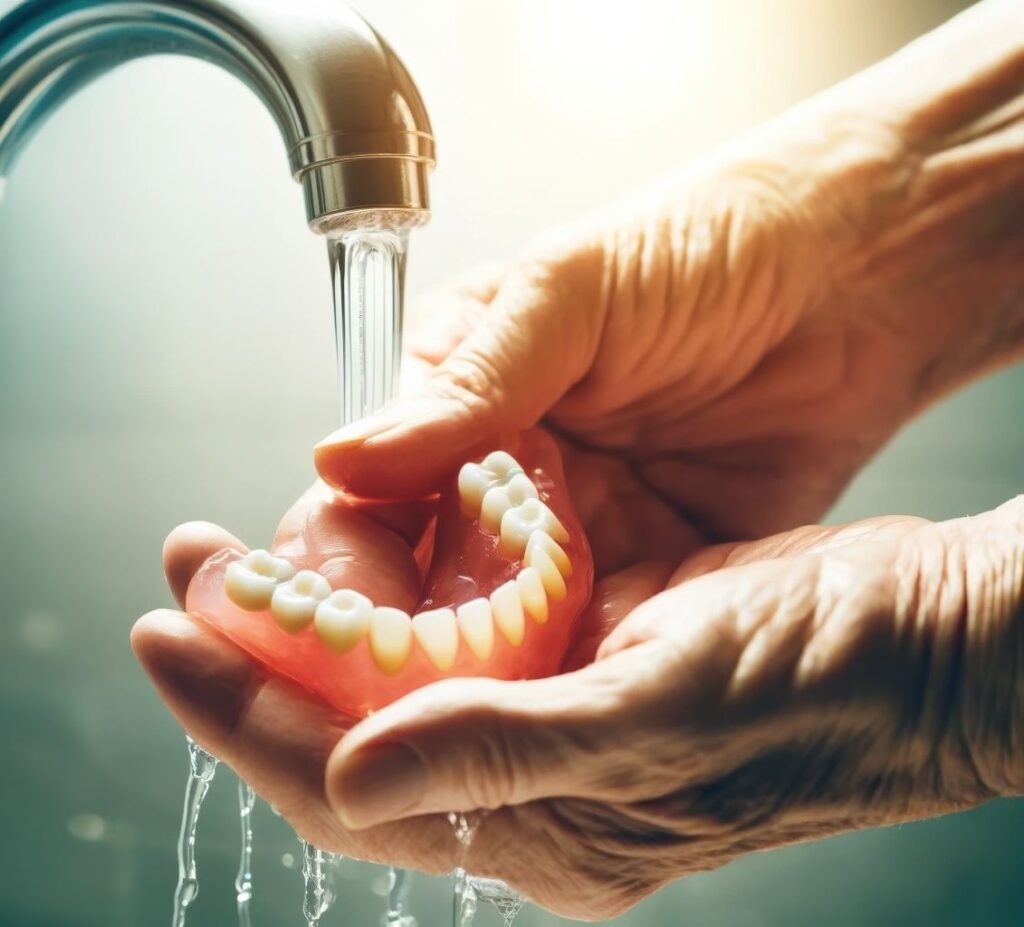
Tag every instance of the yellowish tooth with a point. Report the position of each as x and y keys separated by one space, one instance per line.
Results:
x=519 y=522
x=342 y=619
x=499 y=499
x=477 y=627
x=508 y=612
x=554 y=584
x=295 y=602
x=532 y=594
x=390 y=638
x=251 y=581
x=438 y=635
x=554 y=551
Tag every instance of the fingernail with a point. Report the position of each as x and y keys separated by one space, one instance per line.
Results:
x=355 y=432
x=379 y=784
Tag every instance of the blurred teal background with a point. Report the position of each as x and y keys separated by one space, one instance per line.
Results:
x=166 y=354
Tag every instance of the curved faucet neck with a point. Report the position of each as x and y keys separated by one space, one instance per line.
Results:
x=355 y=128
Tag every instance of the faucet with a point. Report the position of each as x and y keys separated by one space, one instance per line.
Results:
x=356 y=131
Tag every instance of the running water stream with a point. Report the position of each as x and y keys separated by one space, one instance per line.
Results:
x=202 y=767
x=319 y=884
x=243 y=881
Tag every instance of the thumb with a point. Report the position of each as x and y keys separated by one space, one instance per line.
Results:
x=468 y=744
x=536 y=340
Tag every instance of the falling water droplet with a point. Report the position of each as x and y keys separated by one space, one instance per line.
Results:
x=394 y=913
x=202 y=767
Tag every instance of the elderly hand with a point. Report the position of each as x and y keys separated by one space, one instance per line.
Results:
x=718 y=358
x=813 y=682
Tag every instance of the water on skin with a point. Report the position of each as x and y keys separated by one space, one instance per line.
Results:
x=202 y=767
x=243 y=881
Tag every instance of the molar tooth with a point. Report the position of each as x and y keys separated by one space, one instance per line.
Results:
x=508 y=612
x=250 y=582
x=342 y=619
x=554 y=584
x=518 y=523
x=497 y=468
x=554 y=551
x=474 y=481
x=438 y=635
x=294 y=602
x=474 y=619
x=499 y=499
x=532 y=594
x=390 y=638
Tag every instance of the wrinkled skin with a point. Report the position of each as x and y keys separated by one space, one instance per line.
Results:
x=718 y=358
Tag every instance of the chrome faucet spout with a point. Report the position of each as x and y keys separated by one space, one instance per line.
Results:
x=354 y=125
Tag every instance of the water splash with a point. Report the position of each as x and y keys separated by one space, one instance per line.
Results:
x=202 y=767
x=243 y=881
x=394 y=913
x=508 y=902
x=470 y=890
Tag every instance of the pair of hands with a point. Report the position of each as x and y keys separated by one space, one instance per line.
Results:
x=717 y=358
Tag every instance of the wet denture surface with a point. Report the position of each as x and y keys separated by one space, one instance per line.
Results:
x=359 y=616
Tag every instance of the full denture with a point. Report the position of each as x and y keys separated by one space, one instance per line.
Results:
x=538 y=576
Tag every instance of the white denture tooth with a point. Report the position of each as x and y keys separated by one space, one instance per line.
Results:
x=501 y=463
x=497 y=469
x=342 y=619
x=390 y=638
x=553 y=549
x=477 y=627
x=554 y=582
x=532 y=594
x=474 y=481
x=294 y=602
x=507 y=609
x=499 y=499
x=251 y=581
x=519 y=522
x=438 y=635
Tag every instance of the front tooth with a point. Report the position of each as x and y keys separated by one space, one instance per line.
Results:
x=438 y=635
x=531 y=591
x=251 y=581
x=499 y=499
x=390 y=638
x=553 y=549
x=554 y=584
x=294 y=603
x=474 y=619
x=342 y=619
x=518 y=523
x=507 y=608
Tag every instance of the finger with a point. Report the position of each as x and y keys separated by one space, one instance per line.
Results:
x=536 y=340
x=439 y=320
x=614 y=597
x=186 y=549
x=275 y=736
x=465 y=744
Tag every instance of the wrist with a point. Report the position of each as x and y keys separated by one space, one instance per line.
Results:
x=914 y=172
